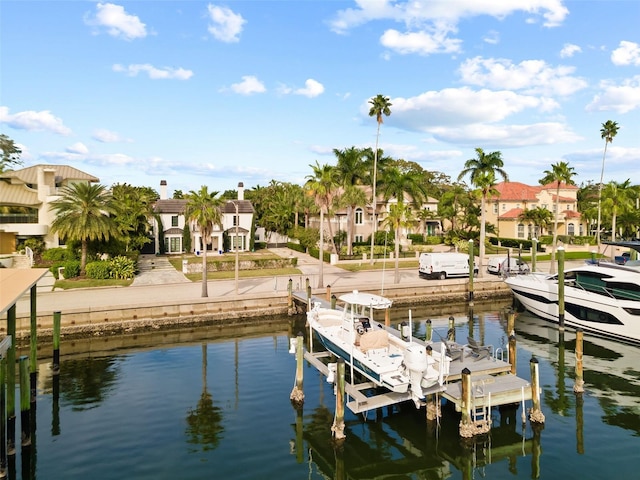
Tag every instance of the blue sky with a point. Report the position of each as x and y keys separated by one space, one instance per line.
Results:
x=216 y=93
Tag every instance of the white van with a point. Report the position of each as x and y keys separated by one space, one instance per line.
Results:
x=444 y=265
x=498 y=265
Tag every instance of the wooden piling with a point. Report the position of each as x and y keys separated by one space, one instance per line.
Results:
x=535 y=415
x=3 y=419
x=387 y=317
x=451 y=332
x=579 y=385
x=433 y=408
x=429 y=330
x=33 y=347
x=333 y=302
x=511 y=322
x=290 y=294
x=466 y=425
x=25 y=401
x=561 y=288
x=11 y=382
x=328 y=294
x=471 y=271
x=534 y=251
x=55 y=366
x=297 y=394
x=512 y=354
x=337 y=429
x=308 y=296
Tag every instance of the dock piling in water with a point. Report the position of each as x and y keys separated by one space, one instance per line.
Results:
x=25 y=401
x=535 y=415
x=297 y=394
x=512 y=354
x=561 y=289
x=337 y=429
x=55 y=366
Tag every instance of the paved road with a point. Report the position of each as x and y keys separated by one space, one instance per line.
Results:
x=160 y=285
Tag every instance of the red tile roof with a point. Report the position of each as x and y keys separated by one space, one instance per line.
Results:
x=516 y=191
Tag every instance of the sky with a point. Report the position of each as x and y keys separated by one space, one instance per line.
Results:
x=217 y=93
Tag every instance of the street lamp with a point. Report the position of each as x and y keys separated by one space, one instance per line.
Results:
x=237 y=222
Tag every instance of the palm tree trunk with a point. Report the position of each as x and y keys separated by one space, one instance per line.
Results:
x=483 y=234
x=374 y=200
x=83 y=256
x=205 y=293
x=320 y=254
x=333 y=243
x=350 y=230
x=554 y=245
x=600 y=196
x=397 y=254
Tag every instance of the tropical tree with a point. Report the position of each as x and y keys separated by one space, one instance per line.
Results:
x=322 y=186
x=133 y=209
x=399 y=216
x=204 y=208
x=452 y=203
x=607 y=132
x=84 y=213
x=380 y=105
x=538 y=216
x=560 y=173
x=352 y=173
x=618 y=198
x=10 y=156
x=482 y=171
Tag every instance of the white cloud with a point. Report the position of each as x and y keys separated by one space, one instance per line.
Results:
x=248 y=86
x=226 y=25
x=492 y=37
x=43 y=121
x=79 y=148
x=154 y=73
x=107 y=136
x=421 y=12
x=312 y=88
x=531 y=76
x=117 y=22
x=621 y=98
x=422 y=43
x=569 y=50
x=627 y=53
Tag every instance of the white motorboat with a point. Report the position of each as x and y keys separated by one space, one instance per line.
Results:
x=380 y=354
x=603 y=298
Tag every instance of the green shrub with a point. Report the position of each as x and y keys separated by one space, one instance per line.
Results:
x=71 y=269
x=58 y=254
x=296 y=246
x=100 y=270
x=122 y=267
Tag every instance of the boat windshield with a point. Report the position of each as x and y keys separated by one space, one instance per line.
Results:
x=603 y=284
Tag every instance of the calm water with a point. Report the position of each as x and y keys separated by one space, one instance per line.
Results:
x=218 y=408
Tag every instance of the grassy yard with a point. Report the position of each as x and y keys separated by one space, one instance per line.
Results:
x=66 y=284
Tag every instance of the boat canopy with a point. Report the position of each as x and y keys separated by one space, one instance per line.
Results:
x=370 y=300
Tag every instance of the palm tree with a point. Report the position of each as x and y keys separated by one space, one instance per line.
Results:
x=352 y=173
x=83 y=214
x=399 y=215
x=204 y=208
x=482 y=171
x=322 y=186
x=379 y=106
x=607 y=132
x=560 y=173
x=540 y=217
x=618 y=199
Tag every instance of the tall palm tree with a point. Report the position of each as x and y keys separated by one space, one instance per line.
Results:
x=482 y=171
x=322 y=186
x=560 y=173
x=83 y=213
x=380 y=105
x=204 y=208
x=607 y=132
x=540 y=217
x=352 y=173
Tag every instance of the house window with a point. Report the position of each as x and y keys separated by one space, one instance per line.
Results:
x=359 y=238
x=495 y=208
x=581 y=230
x=517 y=205
x=236 y=220
x=359 y=215
x=174 y=220
x=237 y=242
x=571 y=229
x=520 y=230
x=174 y=244
x=504 y=207
x=569 y=206
x=544 y=205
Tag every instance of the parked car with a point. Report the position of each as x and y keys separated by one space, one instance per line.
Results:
x=498 y=265
x=622 y=259
x=442 y=265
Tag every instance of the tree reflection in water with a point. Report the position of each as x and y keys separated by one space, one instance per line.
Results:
x=86 y=383
x=204 y=423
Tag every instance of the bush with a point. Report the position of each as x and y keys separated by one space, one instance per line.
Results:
x=296 y=246
x=58 y=255
x=122 y=267
x=100 y=270
x=71 y=269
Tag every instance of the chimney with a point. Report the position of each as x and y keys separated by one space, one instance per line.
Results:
x=240 y=191
x=163 y=190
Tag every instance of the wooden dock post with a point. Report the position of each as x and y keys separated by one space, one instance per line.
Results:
x=328 y=297
x=579 y=385
x=451 y=333
x=466 y=428
x=561 y=289
x=535 y=415
x=511 y=322
x=308 y=296
x=3 y=418
x=513 y=357
x=534 y=250
x=429 y=330
x=33 y=347
x=290 y=294
x=333 y=302
x=55 y=366
x=297 y=394
x=25 y=401
x=387 y=317
x=471 y=271
x=337 y=429
x=11 y=382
